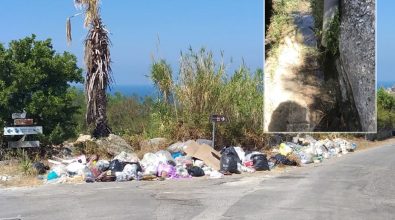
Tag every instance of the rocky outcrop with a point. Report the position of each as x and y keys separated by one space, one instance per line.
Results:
x=357 y=58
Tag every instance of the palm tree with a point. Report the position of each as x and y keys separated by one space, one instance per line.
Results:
x=97 y=61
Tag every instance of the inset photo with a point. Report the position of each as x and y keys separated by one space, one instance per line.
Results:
x=320 y=66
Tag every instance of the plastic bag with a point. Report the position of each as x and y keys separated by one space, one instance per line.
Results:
x=59 y=170
x=126 y=157
x=285 y=149
x=116 y=166
x=245 y=169
x=168 y=169
x=250 y=154
x=198 y=163
x=260 y=162
x=176 y=154
x=216 y=175
x=305 y=158
x=281 y=159
x=102 y=165
x=240 y=153
x=130 y=171
x=181 y=171
x=75 y=168
x=164 y=156
x=40 y=167
x=196 y=171
x=88 y=176
x=229 y=160
x=184 y=161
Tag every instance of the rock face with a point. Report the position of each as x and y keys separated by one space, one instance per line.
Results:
x=114 y=144
x=155 y=143
x=357 y=58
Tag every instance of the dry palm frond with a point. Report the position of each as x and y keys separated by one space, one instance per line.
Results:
x=97 y=61
x=68 y=31
x=68 y=28
x=91 y=8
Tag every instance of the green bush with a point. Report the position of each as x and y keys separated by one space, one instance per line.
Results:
x=33 y=77
x=385 y=109
x=317 y=8
x=333 y=34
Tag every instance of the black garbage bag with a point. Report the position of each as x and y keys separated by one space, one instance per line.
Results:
x=40 y=168
x=196 y=171
x=116 y=166
x=229 y=160
x=281 y=159
x=260 y=162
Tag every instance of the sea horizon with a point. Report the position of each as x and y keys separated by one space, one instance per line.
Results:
x=127 y=90
x=149 y=90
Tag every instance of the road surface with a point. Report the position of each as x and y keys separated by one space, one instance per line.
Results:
x=360 y=185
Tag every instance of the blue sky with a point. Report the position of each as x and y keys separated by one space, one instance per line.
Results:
x=229 y=25
x=234 y=26
x=385 y=40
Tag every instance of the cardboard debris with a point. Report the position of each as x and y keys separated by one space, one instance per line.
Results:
x=205 y=153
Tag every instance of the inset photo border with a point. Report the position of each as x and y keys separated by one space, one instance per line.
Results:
x=320 y=66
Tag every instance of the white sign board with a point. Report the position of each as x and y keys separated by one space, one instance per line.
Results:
x=19 y=144
x=23 y=130
x=18 y=115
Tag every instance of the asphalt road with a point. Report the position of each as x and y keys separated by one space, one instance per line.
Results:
x=360 y=185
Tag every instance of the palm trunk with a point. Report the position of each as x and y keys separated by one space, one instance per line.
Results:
x=101 y=127
x=98 y=77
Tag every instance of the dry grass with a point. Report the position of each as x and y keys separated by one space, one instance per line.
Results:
x=363 y=144
x=18 y=179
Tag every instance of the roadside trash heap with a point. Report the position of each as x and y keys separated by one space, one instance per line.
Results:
x=189 y=159
x=179 y=161
x=308 y=150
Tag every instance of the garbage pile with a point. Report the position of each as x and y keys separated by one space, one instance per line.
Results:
x=309 y=150
x=189 y=159
x=179 y=161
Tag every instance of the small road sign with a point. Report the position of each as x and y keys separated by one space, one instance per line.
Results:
x=23 y=144
x=23 y=121
x=215 y=119
x=218 y=118
x=23 y=130
x=18 y=115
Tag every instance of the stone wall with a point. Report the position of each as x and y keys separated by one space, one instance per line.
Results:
x=357 y=57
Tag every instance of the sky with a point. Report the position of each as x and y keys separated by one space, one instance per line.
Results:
x=231 y=26
x=385 y=41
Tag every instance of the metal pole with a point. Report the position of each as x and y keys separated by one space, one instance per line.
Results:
x=213 y=133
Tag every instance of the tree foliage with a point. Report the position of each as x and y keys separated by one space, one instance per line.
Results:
x=385 y=109
x=36 y=78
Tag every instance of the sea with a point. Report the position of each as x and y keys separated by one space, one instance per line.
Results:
x=149 y=90
x=128 y=90
x=386 y=84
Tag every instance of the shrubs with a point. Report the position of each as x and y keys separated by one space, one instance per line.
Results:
x=385 y=110
x=203 y=88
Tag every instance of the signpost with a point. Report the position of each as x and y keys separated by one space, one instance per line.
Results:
x=18 y=115
x=216 y=119
x=19 y=144
x=23 y=121
x=22 y=127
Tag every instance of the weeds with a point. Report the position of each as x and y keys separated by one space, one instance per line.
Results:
x=333 y=33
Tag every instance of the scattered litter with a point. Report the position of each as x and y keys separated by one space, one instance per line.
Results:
x=196 y=171
x=205 y=153
x=189 y=159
